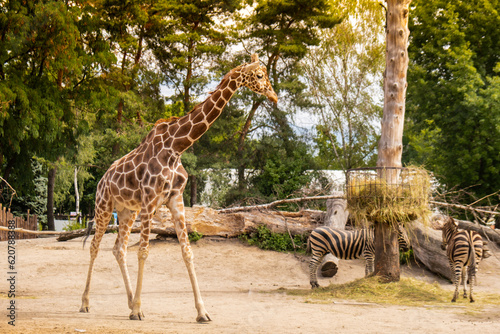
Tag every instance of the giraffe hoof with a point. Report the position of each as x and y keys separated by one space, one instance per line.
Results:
x=138 y=316
x=85 y=309
x=203 y=318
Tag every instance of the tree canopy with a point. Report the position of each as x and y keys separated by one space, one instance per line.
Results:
x=82 y=82
x=454 y=92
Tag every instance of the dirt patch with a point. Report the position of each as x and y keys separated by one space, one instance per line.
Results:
x=239 y=284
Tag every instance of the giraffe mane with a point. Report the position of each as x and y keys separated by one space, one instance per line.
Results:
x=224 y=79
x=166 y=120
x=221 y=84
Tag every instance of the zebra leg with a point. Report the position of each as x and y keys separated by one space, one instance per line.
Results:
x=464 y=280
x=457 y=270
x=472 y=278
x=313 y=269
x=369 y=266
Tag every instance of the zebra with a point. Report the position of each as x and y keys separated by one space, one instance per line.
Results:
x=464 y=250
x=345 y=245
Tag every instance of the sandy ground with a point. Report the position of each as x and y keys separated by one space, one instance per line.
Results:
x=239 y=286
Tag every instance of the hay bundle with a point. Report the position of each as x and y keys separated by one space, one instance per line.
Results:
x=371 y=198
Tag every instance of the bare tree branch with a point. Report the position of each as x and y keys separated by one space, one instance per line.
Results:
x=278 y=202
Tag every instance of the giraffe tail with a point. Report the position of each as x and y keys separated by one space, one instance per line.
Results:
x=88 y=231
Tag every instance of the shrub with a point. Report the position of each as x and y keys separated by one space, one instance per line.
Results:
x=265 y=239
x=194 y=236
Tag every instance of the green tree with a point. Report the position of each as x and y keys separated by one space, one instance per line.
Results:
x=453 y=95
x=192 y=38
x=343 y=74
x=284 y=32
x=39 y=57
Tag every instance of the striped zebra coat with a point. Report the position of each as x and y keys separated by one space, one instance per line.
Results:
x=346 y=245
x=464 y=250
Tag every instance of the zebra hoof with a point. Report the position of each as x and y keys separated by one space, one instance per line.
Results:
x=314 y=285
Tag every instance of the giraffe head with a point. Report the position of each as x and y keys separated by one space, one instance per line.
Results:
x=255 y=77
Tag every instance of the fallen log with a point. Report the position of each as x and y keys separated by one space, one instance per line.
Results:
x=64 y=236
x=487 y=233
x=22 y=230
x=210 y=222
x=426 y=244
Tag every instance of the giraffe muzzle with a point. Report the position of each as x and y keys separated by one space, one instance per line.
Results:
x=272 y=96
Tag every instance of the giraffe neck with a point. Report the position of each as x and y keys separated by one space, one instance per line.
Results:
x=193 y=125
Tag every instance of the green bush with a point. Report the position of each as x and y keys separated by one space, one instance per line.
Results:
x=194 y=236
x=405 y=257
x=280 y=242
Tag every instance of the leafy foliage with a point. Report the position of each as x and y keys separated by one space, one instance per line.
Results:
x=343 y=74
x=453 y=92
x=195 y=236
x=280 y=242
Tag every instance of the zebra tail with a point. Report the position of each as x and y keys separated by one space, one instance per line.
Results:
x=88 y=231
x=308 y=248
x=472 y=254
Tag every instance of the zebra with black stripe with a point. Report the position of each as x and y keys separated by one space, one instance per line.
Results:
x=346 y=245
x=464 y=250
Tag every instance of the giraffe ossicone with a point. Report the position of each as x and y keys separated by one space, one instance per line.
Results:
x=152 y=175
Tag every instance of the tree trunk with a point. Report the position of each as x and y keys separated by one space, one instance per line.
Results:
x=336 y=212
x=426 y=244
x=77 y=193
x=119 y=115
x=194 y=189
x=241 y=146
x=391 y=141
x=336 y=217
x=386 y=252
x=50 y=198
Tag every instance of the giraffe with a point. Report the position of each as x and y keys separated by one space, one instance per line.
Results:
x=152 y=175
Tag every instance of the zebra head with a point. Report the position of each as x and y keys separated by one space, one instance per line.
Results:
x=450 y=227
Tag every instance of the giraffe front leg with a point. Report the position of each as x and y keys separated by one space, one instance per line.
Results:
x=176 y=207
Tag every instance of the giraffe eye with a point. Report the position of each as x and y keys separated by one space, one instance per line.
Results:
x=260 y=75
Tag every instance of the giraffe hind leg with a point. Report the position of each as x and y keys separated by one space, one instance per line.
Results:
x=142 y=255
x=126 y=219
x=101 y=219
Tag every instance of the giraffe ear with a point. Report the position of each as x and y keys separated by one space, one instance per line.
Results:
x=254 y=64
